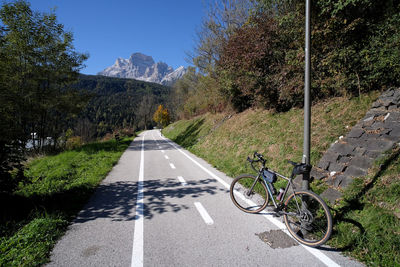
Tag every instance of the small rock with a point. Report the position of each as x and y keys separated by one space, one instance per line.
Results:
x=387 y=116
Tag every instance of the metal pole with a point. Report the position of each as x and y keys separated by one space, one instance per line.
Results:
x=307 y=104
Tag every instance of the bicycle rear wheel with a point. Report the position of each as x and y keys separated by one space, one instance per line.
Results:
x=248 y=194
x=308 y=219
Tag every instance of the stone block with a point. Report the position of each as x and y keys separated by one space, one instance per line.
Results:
x=343 y=149
x=357 y=142
x=395 y=131
x=388 y=93
x=337 y=180
x=385 y=131
x=354 y=171
x=374 y=113
x=392 y=107
x=318 y=174
x=391 y=138
x=344 y=159
x=330 y=156
x=359 y=151
x=380 y=145
x=361 y=162
x=376 y=104
x=331 y=195
x=323 y=164
x=355 y=133
x=387 y=101
x=346 y=182
x=336 y=167
x=372 y=154
x=378 y=125
x=394 y=116
x=371 y=137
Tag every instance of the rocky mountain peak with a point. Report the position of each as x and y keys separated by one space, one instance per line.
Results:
x=143 y=67
x=140 y=59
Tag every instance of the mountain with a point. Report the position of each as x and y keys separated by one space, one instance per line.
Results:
x=142 y=67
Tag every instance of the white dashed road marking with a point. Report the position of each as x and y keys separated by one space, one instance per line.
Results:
x=172 y=166
x=166 y=157
x=317 y=253
x=183 y=182
x=204 y=214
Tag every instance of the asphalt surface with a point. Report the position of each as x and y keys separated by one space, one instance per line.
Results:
x=163 y=206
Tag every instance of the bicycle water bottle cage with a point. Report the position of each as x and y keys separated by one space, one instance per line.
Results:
x=269 y=176
x=301 y=168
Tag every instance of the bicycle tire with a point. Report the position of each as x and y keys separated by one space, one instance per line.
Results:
x=250 y=202
x=308 y=219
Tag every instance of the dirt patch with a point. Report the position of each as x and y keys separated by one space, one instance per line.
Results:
x=277 y=239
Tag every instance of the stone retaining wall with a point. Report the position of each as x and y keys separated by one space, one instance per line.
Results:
x=353 y=155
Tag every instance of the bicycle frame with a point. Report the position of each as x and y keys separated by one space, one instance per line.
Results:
x=289 y=184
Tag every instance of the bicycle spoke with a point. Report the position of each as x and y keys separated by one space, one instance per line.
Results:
x=307 y=218
x=244 y=198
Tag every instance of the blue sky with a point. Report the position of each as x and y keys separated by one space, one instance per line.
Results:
x=108 y=29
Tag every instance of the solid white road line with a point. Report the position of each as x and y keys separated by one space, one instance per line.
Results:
x=183 y=182
x=137 y=248
x=317 y=253
x=204 y=214
x=172 y=166
x=166 y=157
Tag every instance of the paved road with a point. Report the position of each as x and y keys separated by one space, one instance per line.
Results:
x=163 y=206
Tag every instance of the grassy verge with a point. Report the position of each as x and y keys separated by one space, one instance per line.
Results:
x=55 y=189
x=279 y=136
x=367 y=220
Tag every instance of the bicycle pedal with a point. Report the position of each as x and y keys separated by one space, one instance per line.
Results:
x=277 y=214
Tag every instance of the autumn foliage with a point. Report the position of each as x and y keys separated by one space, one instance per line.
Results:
x=251 y=53
x=161 y=116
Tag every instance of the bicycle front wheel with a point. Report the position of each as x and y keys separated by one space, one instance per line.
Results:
x=248 y=194
x=308 y=219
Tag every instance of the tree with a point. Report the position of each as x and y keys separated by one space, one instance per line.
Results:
x=145 y=111
x=161 y=116
x=37 y=63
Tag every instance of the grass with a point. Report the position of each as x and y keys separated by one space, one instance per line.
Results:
x=366 y=221
x=55 y=188
x=278 y=136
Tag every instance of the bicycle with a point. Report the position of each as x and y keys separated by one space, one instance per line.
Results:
x=306 y=215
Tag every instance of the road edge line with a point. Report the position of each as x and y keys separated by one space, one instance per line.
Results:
x=137 y=247
x=315 y=252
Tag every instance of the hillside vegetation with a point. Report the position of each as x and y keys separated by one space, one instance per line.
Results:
x=366 y=225
x=250 y=54
x=117 y=103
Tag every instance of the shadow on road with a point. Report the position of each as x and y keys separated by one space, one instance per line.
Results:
x=117 y=200
x=150 y=145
